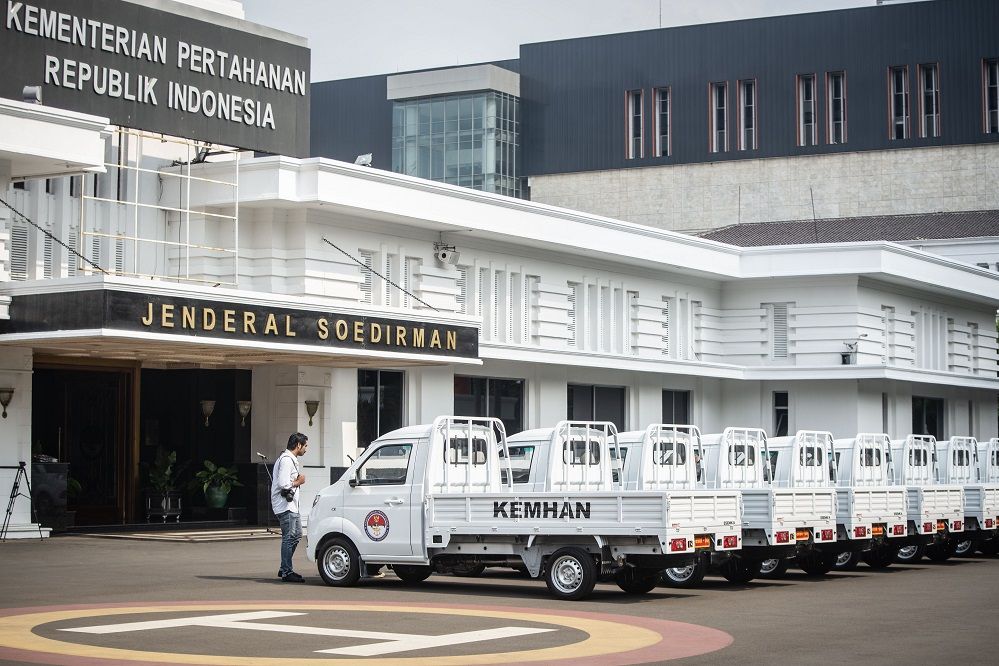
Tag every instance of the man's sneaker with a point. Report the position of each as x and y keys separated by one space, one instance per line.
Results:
x=280 y=574
x=293 y=578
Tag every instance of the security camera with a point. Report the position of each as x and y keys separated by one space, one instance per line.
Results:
x=31 y=94
x=446 y=255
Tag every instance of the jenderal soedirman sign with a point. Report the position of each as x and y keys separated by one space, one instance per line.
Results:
x=182 y=317
x=155 y=70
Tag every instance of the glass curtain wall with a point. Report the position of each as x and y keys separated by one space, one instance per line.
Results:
x=469 y=140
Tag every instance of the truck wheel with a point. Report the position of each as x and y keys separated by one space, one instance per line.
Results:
x=910 y=554
x=773 y=568
x=816 y=564
x=879 y=557
x=412 y=573
x=990 y=546
x=685 y=577
x=571 y=574
x=637 y=581
x=339 y=564
x=847 y=561
x=941 y=551
x=739 y=571
x=964 y=548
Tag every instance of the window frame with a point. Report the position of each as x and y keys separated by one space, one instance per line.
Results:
x=659 y=152
x=921 y=70
x=385 y=482
x=907 y=117
x=830 y=76
x=742 y=114
x=990 y=121
x=713 y=116
x=799 y=96
x=630 y=97
x=777 y=409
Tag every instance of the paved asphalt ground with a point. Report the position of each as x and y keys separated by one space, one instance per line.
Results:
x=926 y=613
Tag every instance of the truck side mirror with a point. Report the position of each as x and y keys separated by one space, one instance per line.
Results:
x=352 y=481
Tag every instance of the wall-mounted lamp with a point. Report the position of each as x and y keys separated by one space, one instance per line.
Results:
x=244 y=408
x=311 y=407
x=207 y=407
x=6 y=395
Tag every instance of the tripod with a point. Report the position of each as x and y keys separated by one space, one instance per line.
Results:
x=15 y=492
x=270 y=477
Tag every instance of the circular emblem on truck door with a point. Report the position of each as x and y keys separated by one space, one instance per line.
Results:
x=376 y=525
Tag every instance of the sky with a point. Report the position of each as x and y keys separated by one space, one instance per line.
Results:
x=351 y=38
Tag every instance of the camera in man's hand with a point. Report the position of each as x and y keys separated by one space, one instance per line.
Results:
x=288 y=494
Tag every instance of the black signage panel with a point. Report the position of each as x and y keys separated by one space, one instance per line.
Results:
x=154 y=70
x=200 y=318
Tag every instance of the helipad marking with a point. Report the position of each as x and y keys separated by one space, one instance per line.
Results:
x=396 y=642
x=612 y=640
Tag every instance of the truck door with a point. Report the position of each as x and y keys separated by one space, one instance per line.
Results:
x=379 y=501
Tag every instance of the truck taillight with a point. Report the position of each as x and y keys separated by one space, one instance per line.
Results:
x=941 y=526
x=783 y=537
x=958 y=525
x=989 y=523
x=927 y=527
x=827 y=535
x=702 y=541
x=899 y=530
x=678 y=545
x=859 y=532
x=802 y=535
x=730 y=542
x=878 y=530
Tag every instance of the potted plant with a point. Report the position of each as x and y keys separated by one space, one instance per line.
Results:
x=163 y=500
x=216 y=482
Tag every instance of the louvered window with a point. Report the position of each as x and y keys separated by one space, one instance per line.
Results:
x=73 y=241
x=778 y=330
x=366 y=285
x=119 y=256
x=462 y=284
x=388 y=276
x=47 y=256
x=18 y=252
x=496 y=310
x=573 y=294
x=665 y=326
x=95 y=250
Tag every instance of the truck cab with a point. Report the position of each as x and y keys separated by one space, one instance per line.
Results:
x=870 y=509
x=959 y=462
x=935 y=511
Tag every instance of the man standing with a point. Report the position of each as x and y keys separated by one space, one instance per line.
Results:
x=284 y=501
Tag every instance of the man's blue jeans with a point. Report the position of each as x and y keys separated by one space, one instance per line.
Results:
x=291 y=534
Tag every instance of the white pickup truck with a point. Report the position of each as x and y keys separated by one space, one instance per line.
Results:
x=988 y=465
x=430 y=498
x=789 y=504
x=870 y=509
x=935 y=511
x=958 y=462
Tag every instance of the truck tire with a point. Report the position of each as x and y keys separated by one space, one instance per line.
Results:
x=738 y=570
x=570 y=574
x=964 y=547
x=847 y=561
x=816 y=564
x=637 y=581
x=412 y=573
x=338 y=563
x=880 y=557
x=685 y=577
x=910 y=554
x=989 y=546
x=773 y=568
x=942 y=550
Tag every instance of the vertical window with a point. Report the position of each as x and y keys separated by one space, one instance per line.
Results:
x=929 y=100
x=572 y=318
x=836 y=94
x=367 y=277
x=777 y=314
x=665 y=326
x=781 y=413
x=719 y=117
x=676 y=407
x=663 y=109
x=462 y=284
x=596 y=403
x=379 y=404
x=635 y=124
x=990 y=95
x=486 y=396
x=898 y=81
x=888 y=334
x=747 y=114
x=806 y=110
x=927 y=416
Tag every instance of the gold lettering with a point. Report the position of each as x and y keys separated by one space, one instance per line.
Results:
x=341 y=329
x=148 y=319
x=400 y=336
x=324 y=328
x=189 y=317
x=435 y=339
x=388 y=334
x=358 y=331
x=271 y=325
x=288 y=333
x=229 y=321
x=249 y=322
x=452 y=340
x=376 y=332
x=418 y=337
x=208 y=319
x=167 y=316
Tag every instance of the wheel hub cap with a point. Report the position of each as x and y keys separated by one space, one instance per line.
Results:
x=907 y=552
x=769 y=565
x=680 y=573
x=843 y=558
x=337 y=562
x=963 y=547
x=567 y=574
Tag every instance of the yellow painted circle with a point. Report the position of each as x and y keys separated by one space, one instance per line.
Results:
x=605 y=637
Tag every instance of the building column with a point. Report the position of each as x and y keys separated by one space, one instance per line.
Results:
x=15 y=440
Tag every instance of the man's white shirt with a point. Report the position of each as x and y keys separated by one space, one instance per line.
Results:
x=285 y=471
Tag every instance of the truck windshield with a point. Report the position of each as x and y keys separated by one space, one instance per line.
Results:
x=520 y=463
x=388 y=465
